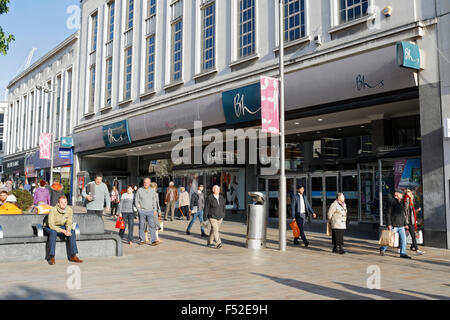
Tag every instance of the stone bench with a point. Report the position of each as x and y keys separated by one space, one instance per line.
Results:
x=22 y=238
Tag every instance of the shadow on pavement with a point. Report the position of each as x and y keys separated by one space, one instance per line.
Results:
x=28 y=293
x=432 y=296
x=316 y=289
x=382 y=293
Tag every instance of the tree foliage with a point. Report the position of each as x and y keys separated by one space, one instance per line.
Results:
x=5 y=39
x=24 y=199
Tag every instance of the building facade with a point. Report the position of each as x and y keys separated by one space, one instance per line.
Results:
x=359 y=119
x=41 y=100
x=3 y=130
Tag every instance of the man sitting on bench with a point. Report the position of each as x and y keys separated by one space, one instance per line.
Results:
x=59 y=223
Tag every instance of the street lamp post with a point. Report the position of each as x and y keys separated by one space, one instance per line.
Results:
x=52 y=134
x=282 y=195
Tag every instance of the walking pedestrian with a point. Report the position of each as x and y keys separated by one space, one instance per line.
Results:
x=96 y=193
x=411 y=220
x=154 y=186
x=56 y=191
x=183 y=203
x=337 y=218
x=197 y=206
x=396 y=222
x=42 y=194
x=115 y=200
x=146 y=203
x=127 y=214
x=170 y=201
x=215 y=212
x=301 y=209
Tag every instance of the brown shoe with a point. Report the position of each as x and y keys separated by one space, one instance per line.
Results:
x=154 y=244
x=76 y=259
x=51 y=261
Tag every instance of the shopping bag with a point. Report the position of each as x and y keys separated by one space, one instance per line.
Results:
x=396 y=240
x=419 y=237
x=295 y=229
x=161 y=224
x=329 y=230
x=387 y=238
x=120 y=224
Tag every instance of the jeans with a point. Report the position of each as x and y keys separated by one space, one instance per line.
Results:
x=52 y=234
x=198 y=215
x=401 y=239
x=301 y=219
x=128 y=218
x=147 y=217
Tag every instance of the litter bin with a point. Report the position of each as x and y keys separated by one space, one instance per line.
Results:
x=256 y=221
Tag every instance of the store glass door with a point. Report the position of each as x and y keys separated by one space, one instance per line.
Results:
x=331 y=189
x=349 y=183
x=317 y=186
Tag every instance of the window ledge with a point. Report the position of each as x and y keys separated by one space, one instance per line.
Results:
x=352 y=23
x=106 y=109
x=173 y=84
x=206 y=73
x=147 y=94
x=244 y=60
x=89 y=114
x=294 y=43
x=125 y=102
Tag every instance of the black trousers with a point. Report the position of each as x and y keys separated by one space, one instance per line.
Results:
x=114 y=208
x=128 y=218
x=301 y=220
x=338 y=237
x=413 y=236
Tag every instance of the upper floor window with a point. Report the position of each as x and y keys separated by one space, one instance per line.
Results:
x=111 y=14
x=128 y=72
x=151 y=7
x=130 y=14
x=246 y=28
x=352 y=9
x=208 y=35
x=177 y=39
x=94 y=31
x=294 y=20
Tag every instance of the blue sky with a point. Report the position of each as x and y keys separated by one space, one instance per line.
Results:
x=40 y=24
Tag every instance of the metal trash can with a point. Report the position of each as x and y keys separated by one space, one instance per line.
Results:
x=256 y=221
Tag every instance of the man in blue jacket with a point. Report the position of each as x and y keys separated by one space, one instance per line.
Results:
x=301 y=209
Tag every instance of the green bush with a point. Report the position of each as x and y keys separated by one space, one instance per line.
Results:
x=24 y=199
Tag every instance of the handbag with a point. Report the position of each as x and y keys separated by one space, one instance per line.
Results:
x=295 y=229
x=387 y=238
x=120 y=224
x=329 y=230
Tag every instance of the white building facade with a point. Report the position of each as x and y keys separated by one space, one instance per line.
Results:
x=3 y=129
x=41 y=100
x=356 y=120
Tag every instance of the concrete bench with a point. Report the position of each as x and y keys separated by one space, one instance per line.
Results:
x=22 y=238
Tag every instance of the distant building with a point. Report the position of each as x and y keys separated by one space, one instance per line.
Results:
x=3 y=130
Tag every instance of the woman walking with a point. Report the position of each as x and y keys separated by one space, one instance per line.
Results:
x=184 y=203
x=42 y=194
x=337 y=218
x=411 y=219
x=126 y=212
x=115 y=200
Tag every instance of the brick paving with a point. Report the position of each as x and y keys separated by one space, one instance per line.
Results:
x=183 y=268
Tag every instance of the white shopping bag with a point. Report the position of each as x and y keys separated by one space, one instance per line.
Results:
x=419 y=237
x=396 y=240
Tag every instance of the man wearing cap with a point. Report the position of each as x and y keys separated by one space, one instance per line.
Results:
x=59 y=223
x=396 y=221
x=10 y=208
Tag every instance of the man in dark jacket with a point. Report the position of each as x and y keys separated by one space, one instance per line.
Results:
x=197 y=204
x=215 y=212
x=301 y=209
x=396 y=221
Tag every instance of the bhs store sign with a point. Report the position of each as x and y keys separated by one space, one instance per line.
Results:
x=243 y=104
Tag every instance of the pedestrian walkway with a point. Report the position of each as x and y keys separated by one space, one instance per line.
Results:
x=183 y=268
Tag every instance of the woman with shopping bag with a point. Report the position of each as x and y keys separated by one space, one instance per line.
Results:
x=337 y=219
x=411 y=219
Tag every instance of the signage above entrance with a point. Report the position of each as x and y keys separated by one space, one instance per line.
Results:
x=408 y=55
x=66 y=142
x=242 y=104
x=116 y=134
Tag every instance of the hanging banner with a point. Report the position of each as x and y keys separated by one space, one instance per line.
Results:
x=45 y=146
x=270 y=116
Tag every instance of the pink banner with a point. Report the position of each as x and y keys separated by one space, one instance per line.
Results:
x=270 y=105
x=45 y=146
x=399 y=166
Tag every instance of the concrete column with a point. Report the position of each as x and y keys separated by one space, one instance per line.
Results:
x=133 y=169
x=435 y=151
